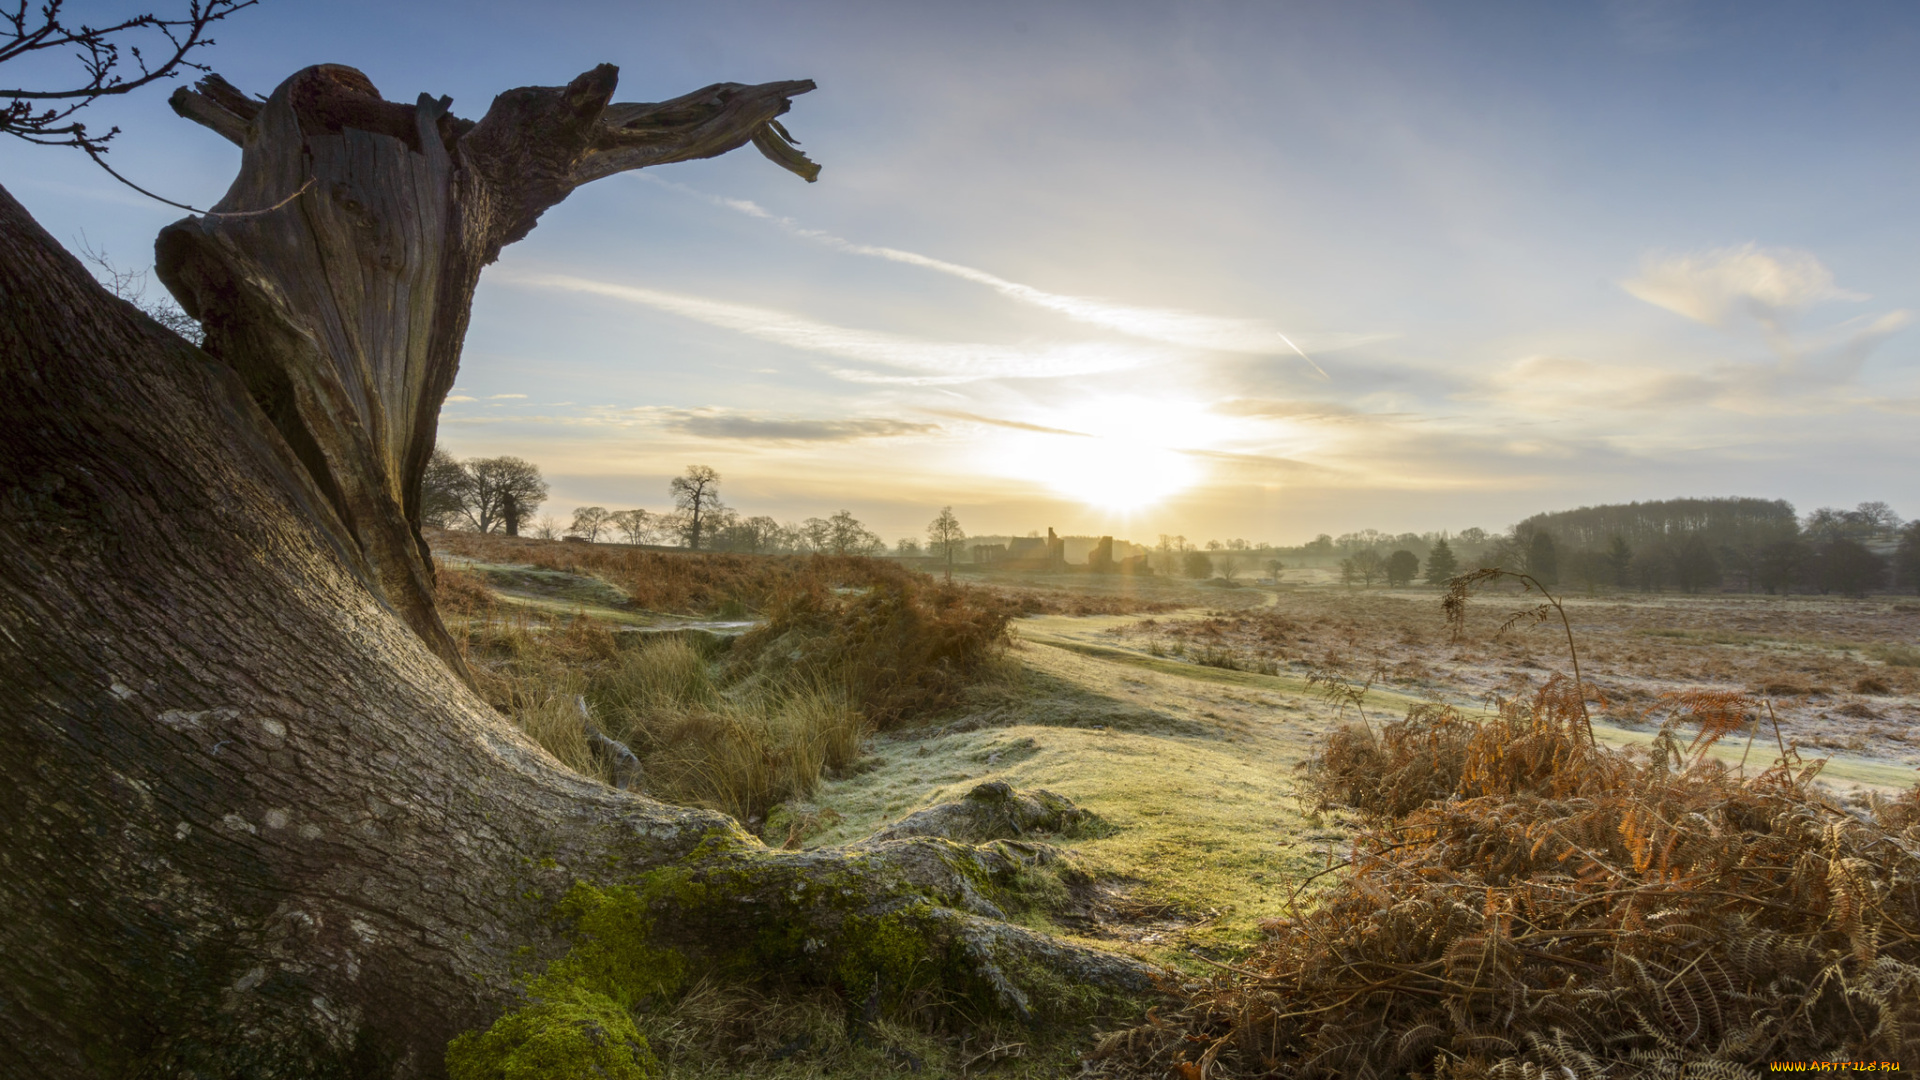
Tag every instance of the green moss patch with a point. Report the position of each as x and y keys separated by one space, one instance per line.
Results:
x=578 y=1020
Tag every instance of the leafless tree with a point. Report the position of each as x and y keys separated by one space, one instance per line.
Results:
x=697 y=493
x=496 y=484
x=589 y=522
x=638 y=526
x=1369 y=566
x=847 y=536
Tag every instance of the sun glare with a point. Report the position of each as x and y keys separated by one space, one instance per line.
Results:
x=1128 y=453
x=1117 y=475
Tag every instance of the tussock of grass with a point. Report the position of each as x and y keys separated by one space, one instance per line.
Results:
x=1567 y=907
x=741 y=732
x=901 y=647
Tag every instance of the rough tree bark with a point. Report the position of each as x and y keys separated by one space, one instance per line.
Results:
x=256 y=823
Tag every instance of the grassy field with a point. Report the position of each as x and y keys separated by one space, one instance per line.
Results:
x=1179 y=712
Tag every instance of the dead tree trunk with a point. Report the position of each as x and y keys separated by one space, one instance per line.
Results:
x=255 y=823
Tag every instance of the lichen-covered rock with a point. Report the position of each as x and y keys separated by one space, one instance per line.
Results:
x=993 y=811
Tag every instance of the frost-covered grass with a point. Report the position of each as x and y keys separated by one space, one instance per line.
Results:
x=1194 y=775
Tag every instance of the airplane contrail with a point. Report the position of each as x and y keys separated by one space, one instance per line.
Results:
x=1303 y=356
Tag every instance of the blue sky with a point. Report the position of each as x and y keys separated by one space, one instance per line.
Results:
x=1224 y=270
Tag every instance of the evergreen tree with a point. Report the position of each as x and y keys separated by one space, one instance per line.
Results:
x=1542 y=561
x=1441 y=564
x=1620 y=561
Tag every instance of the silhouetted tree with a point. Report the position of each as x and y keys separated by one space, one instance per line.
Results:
x=846 y=536
x=697 y=493
x=1198 y=565
x=637 y=526
x=1401 y=567
x=1868 y=521
x=755 y=534
x=1442 y=566
x=493 y=483
x=1369 y=567
x=443 y=491
x=589 y=522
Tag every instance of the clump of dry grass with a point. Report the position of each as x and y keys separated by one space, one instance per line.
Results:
x=904 y=646
x=740 y=753
x=1524 y=903
x=746 y=731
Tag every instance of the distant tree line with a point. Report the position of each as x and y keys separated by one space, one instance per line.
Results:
x=502 y=494
x=1683 y=545
x=1696 y=545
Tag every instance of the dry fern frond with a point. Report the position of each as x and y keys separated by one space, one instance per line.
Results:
x=1526 y=904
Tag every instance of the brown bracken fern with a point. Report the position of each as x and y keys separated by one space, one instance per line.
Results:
x=1524 y=903
x=1461 y=588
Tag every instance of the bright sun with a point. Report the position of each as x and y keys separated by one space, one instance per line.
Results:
x=1133 y=452
x=1115 y=474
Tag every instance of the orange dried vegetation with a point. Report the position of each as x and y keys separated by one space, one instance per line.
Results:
x=1523 y=903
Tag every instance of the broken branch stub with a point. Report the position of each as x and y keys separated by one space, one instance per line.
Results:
x=344 y=308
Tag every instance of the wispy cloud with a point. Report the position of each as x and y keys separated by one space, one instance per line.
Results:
x=716 y=423
x=1170 y=326
x=1726 y=287
x=1016 y=425
x=941 y=361
x=1713 y=286
x=504 y=397
x=738 y=426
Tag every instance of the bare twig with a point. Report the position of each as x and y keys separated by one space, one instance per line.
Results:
x=1461 y=588
x=45 y=117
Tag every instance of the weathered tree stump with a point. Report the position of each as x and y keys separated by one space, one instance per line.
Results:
x=256 y=822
